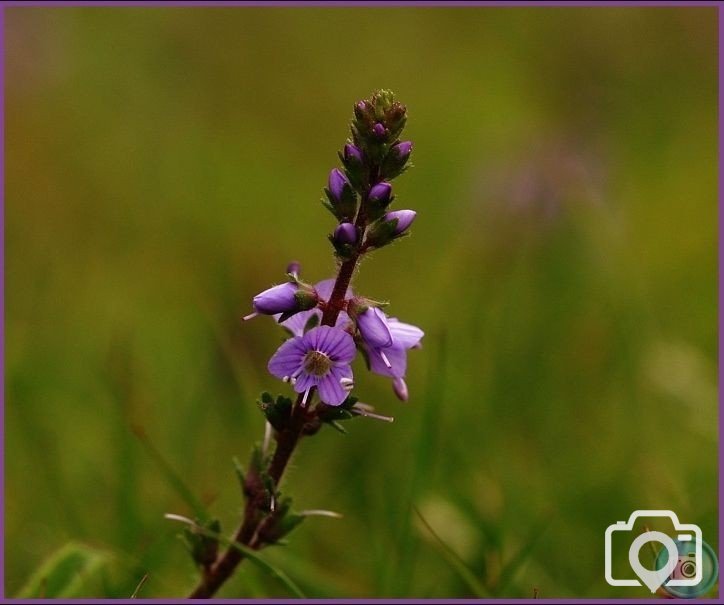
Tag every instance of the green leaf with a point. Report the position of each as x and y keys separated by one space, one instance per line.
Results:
x=65 y=573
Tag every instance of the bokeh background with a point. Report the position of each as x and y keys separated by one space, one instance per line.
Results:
x=164 y=165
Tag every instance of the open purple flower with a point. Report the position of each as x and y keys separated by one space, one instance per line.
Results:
x=319 y=359
x=392 y=360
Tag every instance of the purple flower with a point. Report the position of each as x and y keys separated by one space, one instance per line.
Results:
x=337 y=183
x=278 y=299
x=319 y=359
x=392 y=360
x=298 y=322
x=380 y=193
x=345 y=233
x=404 y=219
x=379 y=130
x=352 y=154
x=373 y=327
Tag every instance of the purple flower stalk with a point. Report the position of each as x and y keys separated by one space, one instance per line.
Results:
x=318 y=359
x=327 y=325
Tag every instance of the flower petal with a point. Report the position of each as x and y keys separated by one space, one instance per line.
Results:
x=343 y=320
x=278 y=299
x=288 y=358
x=399 y=386
x=325 y=287
x=331 y=391
x=373 y=327
x=337 y=344
x=296 y=323
x=397 y=357
x=406 y=335
x=305 y=381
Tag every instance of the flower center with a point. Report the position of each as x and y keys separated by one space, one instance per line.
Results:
x=317 y=363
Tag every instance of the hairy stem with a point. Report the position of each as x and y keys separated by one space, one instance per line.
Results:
x=222 y=569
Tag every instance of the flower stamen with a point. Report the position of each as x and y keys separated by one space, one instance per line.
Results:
x=304 y=398
x=317 y=363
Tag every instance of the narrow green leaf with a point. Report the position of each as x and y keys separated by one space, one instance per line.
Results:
x=65 y=573
x=512 y=567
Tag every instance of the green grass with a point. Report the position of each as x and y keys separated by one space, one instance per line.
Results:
x=163 y=166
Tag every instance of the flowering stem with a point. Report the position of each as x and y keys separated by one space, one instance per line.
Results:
x=215 y=575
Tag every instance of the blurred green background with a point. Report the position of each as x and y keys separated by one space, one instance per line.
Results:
x=163 y=166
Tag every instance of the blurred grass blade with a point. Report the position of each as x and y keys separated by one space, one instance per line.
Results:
x=422 y=467
x=65 y=573
x=139 y=586
x=512 y=567
x=247 y=552
x=171 y=476
x=455 y=562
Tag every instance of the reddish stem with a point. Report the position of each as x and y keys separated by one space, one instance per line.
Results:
x=221 y=570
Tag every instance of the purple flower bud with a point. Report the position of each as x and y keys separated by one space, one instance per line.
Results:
x=379 y=130
x=361 y=105
x=404 y=219
x=294 y=268
x=399 y=386
x=278 y=299
x=380 y=193
x=337 y=182
x=352 y=154
x=403 y=150
x=373 y=327
x=345 y=233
